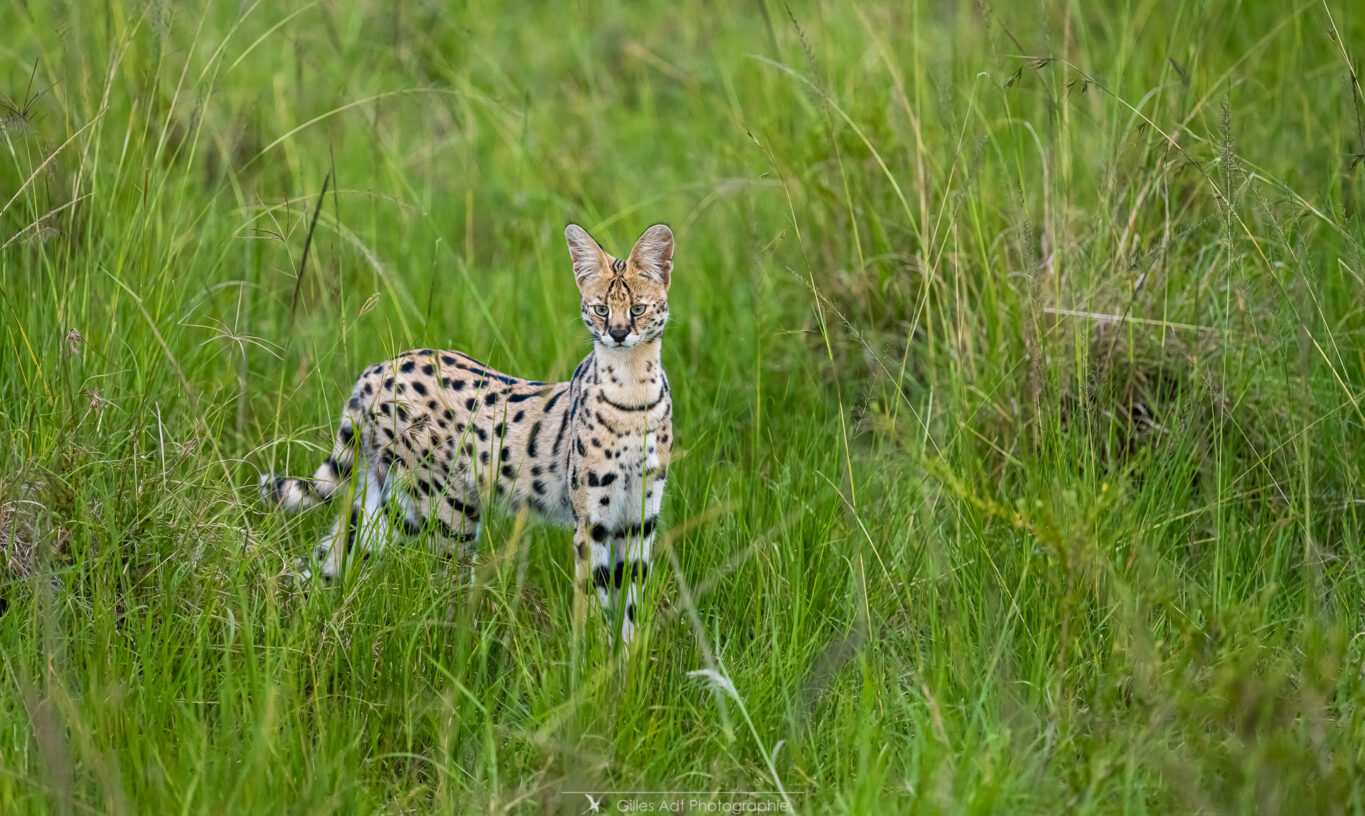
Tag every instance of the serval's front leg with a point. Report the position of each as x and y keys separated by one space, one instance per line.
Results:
x=630 y=570
x=632 y=546
x=600 y=537
x=597 y=541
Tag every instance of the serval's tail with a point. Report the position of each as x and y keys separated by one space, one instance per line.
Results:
x=294 y=494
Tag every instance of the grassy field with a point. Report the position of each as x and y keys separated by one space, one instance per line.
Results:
x=1018 y=361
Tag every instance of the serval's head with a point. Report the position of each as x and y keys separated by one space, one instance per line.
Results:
x=625 y=301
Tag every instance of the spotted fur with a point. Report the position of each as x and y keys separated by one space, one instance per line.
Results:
x=428 y=438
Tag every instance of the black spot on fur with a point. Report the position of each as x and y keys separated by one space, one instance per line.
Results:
x=406 y=524
x=559 y=437
x=353 y=529
x=407 y=367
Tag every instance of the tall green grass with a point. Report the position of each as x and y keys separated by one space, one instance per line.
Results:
x=1019 y=377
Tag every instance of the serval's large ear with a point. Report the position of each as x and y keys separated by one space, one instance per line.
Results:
x=653 y=254
x=588 y=257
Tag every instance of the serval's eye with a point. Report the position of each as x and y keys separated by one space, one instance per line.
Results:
x=638 y=309
x=601 y=310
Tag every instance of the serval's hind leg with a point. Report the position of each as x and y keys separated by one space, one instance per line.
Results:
x=366 y=529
